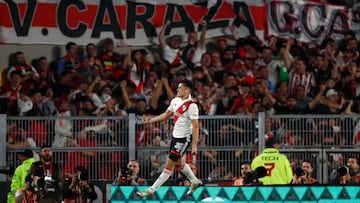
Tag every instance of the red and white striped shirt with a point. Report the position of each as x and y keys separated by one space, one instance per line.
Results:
x=296 y=79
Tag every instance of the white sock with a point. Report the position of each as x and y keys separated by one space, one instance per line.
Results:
x=164 y=176
x=186 y=170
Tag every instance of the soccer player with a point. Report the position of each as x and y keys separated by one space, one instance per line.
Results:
x=278 y=167
x=186 y=131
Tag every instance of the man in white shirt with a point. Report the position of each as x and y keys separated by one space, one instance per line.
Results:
x=186 y=131
x=172 y=52
x=196 y=47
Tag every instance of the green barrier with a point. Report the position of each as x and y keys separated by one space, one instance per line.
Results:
x=288 y=194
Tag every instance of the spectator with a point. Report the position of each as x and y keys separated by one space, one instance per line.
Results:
x=345 y=57
x=248 y=46
x=94 y=60
x=46 y=76
x=302 y=100
x=196 y=47
x=228 y=59
x=281 y=91
x=19 y=138
x=215 y=69
x=274 y=65
x=221 y=44
x=208 y=158
x=92 y=91
x=263 y=72
x=150 y=80
x=87 y=138
x=153 y=161
x=348 y=80
x=78 y=95
x=205 y=64
x=201 y=74
x=330 y=105
x=111 y=62
x=29 y=73
x=278 y=167
x=24 y=104
x=289 y=106
x=111 y=106
x=160 y=96
x=221 y=172
x=78 y=188
x=69 y=62
x=299 y=76
x=104 y=137
x=48 y=107
x=63 y=128
x=243 y=102
x=89 y=107
x=87 y=72
x=209 y=100
x=352 y=44
x=216 y=63
x=172 y=52
x=322 y=68
x=139 y=104
x=12 y=95
x=176 y=78
x=293 y=138
x=19 y=177
x=134 y=64
x=64 y=84
x=36 y=100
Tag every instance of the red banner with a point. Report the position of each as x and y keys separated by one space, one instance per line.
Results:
x=129 y=22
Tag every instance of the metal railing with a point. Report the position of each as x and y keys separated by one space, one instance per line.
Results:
x=105 y=144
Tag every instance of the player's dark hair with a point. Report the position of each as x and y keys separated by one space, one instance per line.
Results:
x=188 y=84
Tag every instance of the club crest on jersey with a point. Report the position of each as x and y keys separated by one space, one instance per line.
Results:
x=184 y=107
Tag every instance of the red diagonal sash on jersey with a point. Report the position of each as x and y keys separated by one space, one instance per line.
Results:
x=181 y=110
x=177 y=59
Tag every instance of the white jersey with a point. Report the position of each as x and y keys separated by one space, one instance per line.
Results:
x=170 y=54
x=184 y=111
x=199 y=51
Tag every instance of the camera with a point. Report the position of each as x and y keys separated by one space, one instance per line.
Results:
x=38 y=184
x=83 y=176
x=343 y=171
x=253 y=176
x=125 y=172
x=125 y=176
x=300 y=172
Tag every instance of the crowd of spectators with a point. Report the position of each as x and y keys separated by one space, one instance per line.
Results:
x=232 y=76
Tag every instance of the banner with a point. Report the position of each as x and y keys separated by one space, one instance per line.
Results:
x=285 y=193
x=310 y=21
x=128 y=22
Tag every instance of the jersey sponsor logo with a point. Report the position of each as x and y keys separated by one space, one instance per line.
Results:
x=270 y=158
